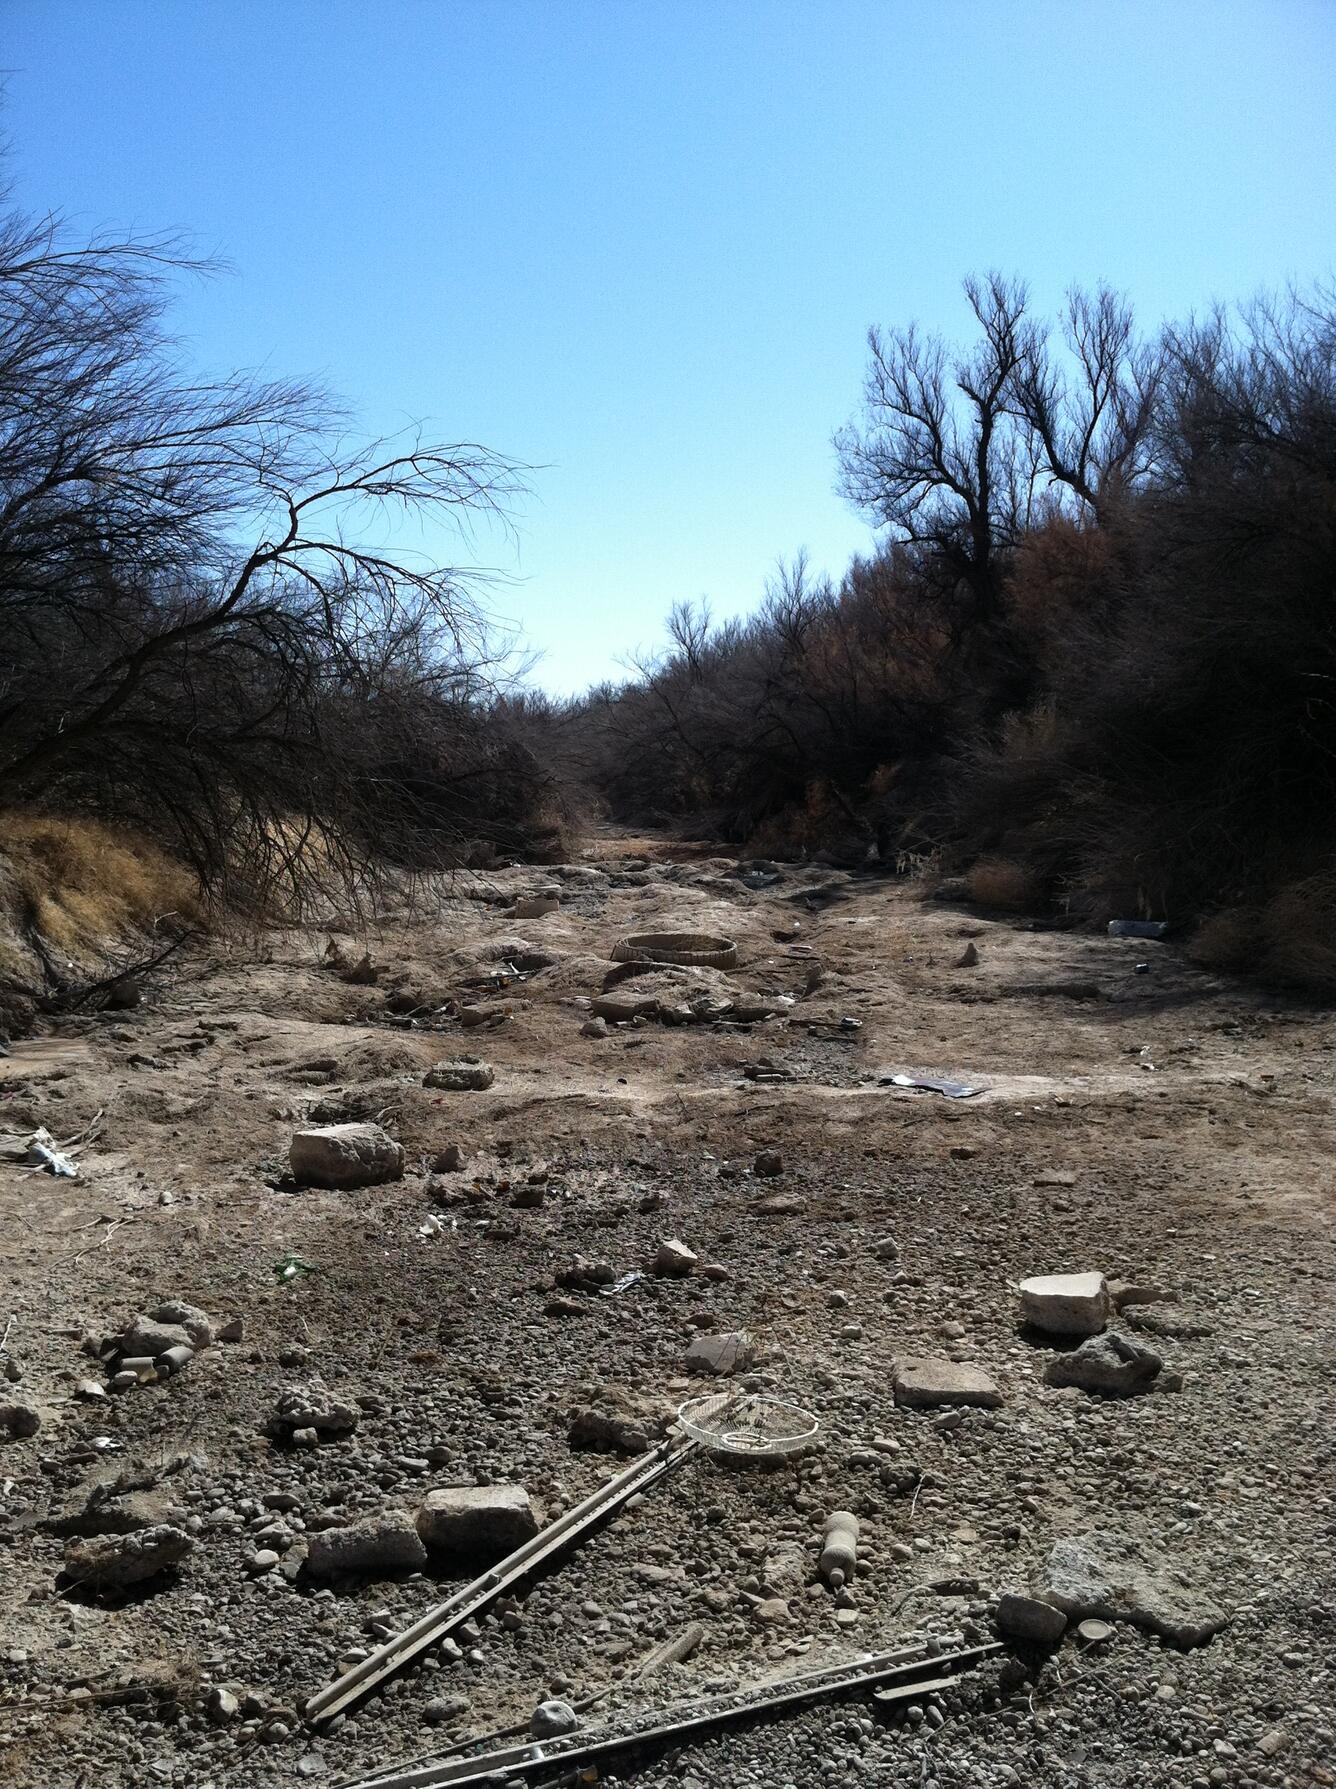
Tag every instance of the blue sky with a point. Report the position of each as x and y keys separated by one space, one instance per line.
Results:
x=639 y=242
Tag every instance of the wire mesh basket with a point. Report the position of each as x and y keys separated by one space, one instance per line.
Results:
x=747 y=1424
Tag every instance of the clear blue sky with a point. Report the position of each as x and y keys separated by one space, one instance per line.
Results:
x=640 y=241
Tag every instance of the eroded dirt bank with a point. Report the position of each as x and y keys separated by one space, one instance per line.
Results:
x=1168 y=1130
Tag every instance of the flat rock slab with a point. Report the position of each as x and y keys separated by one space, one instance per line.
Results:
x=1112 y=1366
x=484 y=1522
x=366 y=1549
x=1066 y=1304
x=113 y=1560
x=1119 y=1579
x=923 y=1383
x=345 y=1155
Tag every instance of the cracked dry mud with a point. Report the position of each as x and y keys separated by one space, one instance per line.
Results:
x=1172 y=1130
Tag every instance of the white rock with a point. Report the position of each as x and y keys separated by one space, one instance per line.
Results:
x=1066 y=1304
x=345 y=1155
x=483 y=1522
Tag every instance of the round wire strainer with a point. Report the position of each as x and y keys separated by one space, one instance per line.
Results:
x=748 y=1424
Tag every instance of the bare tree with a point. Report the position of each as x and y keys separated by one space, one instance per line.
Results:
x=939 y=457
x=192 y=597
x=1094 y=415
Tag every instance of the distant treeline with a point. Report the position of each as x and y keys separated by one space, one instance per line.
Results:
x=1094 y=665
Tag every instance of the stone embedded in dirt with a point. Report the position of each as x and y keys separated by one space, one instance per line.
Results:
x=1028 y=1618
x=19 y=1422
x=1178 y=1326
x=968 y=958
x=1117 y=1579
x=547 y=900
x=345 y=1155
x=609 y=1419
x=720 y=1355
x=485 y=1013
x=1114 y=1366
x=778 y=1205
x=112 y=1560
x=312 y=1407
x=448 y=1160
x=565 y=1307
x=221 y=1705
x=673 y=1258
x=388 y=1542
x=1055 y=1177
x=584 y=1272
x=196 y=1323
x=463 y=1074
x=1130 y=1292
x=551 y=1719
x=146 y=1337
x=594 y=1028
x=1066 y=1304
x=768 y=1163
x=923 y=1383
x=482 y=1522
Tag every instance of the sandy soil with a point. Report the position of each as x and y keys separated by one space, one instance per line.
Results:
x=1161 y=1127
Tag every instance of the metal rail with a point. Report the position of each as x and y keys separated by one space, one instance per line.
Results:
x=924 y=1673
x=438 y=1622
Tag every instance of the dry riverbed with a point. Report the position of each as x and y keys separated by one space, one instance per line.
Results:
x=1158 y=1126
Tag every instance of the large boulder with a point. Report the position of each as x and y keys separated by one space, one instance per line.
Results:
x=1112 y=1365
x=1118 y=1579
x=345 y=1155
x=922 y=1384
x=481 y=1522
x=369 y=1548
x=1066 y=1304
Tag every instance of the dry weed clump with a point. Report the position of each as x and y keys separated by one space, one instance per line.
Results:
x=1298 y=935
x=1001 y=882
x=83 y=883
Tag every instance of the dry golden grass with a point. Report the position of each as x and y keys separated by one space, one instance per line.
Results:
x=82 y=882
x=1001 y=882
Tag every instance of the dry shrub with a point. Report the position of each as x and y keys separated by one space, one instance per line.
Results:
x=1298 y=935
x=1227 y=940
x=83 y=883
x=1003 y=883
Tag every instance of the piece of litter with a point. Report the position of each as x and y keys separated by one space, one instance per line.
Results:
x=620 y=1285
x=291 y=1267
x=931 y=1084
x=431 y=1226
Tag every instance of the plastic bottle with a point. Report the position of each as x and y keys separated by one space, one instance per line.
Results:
x=839 y=1548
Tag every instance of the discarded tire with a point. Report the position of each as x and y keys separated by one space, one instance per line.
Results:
x=697 y=950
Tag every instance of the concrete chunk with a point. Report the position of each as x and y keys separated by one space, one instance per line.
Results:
x=1119 y=1579
x=720 y=1355
x=1066 y=1304
x=112 y=1560
x=483 y=1522
x=345 y=1155
x=466 y=1074
x=376 y=1545
x=922 y=1384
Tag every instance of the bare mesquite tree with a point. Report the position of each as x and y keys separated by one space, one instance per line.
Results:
x=959 y=453
x=200 y=629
